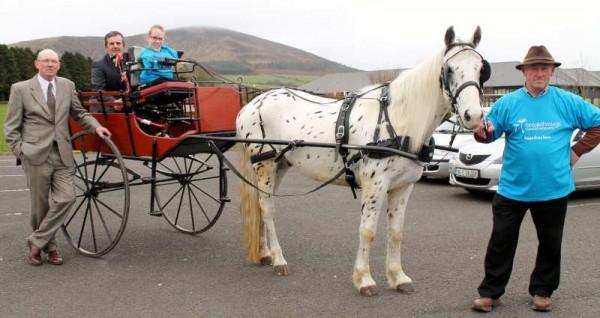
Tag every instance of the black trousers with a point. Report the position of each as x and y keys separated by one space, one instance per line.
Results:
x=549 y=220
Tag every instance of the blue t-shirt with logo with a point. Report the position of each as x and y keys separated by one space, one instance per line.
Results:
x=153 y=69
x=536 y=160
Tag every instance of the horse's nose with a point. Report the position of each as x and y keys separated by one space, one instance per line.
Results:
x=467 y=117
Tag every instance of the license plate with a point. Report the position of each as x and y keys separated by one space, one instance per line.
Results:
x=466 y=173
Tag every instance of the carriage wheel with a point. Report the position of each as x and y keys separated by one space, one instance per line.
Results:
x=194 y=192
x=99 y=215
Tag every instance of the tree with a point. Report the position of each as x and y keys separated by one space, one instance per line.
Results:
x=25 y=60
x=77 y=68
x=9 y=71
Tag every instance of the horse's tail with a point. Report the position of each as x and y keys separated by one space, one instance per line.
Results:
x=250 y=209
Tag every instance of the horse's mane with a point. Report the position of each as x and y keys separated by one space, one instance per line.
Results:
x=416 y=98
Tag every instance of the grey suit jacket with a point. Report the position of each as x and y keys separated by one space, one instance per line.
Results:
x=29 y=128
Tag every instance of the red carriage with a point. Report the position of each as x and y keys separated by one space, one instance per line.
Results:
x=187 y=181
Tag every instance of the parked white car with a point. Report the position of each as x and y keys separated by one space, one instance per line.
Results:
x=439 y=167
x=477 y=167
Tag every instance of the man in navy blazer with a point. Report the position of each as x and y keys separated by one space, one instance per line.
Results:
x=37 y=132
x=106 y=72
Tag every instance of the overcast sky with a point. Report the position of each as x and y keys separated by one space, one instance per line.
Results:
x=365 y=34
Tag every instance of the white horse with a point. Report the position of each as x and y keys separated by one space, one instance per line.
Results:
x=417 y=101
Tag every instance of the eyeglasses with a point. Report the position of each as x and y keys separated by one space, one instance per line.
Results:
x=48 y=61
x=157 y=38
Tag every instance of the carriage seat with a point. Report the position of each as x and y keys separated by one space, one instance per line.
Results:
x=135 y=65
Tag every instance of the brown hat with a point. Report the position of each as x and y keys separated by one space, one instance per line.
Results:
x=537 y=55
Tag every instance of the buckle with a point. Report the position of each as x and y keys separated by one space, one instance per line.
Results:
x=340 y=133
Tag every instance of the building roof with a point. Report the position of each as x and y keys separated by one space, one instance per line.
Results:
x=504 y=74
x=343 y=82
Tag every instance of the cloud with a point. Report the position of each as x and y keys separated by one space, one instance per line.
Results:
x=366 y=34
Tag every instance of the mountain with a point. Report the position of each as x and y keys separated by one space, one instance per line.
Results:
x=226 y=51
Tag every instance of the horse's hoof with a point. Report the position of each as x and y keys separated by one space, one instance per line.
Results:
x=281 y=270
x=406 y=288
x=265 y=261
x=368 y=292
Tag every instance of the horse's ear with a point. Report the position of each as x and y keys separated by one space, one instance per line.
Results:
x=476 y=36
x=449 y=38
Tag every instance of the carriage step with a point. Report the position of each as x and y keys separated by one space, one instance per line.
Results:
x=225 y=199
x=156 y=213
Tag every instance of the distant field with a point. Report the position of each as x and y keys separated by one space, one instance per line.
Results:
x=272 y=80
x=3 y=145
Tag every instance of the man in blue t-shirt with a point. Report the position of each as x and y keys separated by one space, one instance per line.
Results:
x=538 y=121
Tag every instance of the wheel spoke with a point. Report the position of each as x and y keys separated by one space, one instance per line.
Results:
x=66 y=224
x=102 y=219
x=109 y=208
x=199 y=205
x=93 y=228
x=85 y=216
x=207 y=194
x=172 y=197
x=191 y=206
x=180 y=202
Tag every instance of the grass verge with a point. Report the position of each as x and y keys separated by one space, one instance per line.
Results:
x=3 y=145
x=271 y=80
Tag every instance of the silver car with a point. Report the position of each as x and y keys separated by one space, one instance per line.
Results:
x=448 y=134
x=477 y=167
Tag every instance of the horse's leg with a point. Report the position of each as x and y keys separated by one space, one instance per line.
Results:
x=269 y=179
x=397 y=202
x=372 y=203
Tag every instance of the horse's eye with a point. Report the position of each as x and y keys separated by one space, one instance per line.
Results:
x=449 y=72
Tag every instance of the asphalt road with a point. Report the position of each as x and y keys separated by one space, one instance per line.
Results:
x=156 y=271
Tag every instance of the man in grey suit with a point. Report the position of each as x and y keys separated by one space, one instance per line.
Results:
x=37 y=132
x=107 y=73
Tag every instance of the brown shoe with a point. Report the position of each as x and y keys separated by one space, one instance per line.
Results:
x=540 y=303
x=52 y=257
x=485 y=304
x=35 y=257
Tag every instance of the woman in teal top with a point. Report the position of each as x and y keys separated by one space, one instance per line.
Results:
x=153 y=55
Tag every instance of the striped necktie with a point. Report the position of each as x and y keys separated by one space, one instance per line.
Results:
x=51 y=101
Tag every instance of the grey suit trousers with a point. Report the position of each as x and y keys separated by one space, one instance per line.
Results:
x=52 y=194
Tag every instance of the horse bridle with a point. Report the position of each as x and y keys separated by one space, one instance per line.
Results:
x=483 y=76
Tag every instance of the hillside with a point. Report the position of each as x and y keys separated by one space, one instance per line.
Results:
x=226 y=51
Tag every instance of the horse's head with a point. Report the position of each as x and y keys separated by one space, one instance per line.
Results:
x=464 y=71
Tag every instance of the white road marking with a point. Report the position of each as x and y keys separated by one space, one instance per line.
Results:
x=14 y=190
x=583 y=205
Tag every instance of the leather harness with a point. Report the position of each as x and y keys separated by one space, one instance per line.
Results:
x=401 y=143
